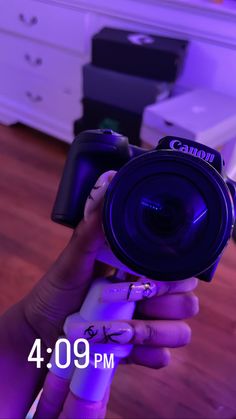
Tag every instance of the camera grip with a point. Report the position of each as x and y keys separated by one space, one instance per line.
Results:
x=79 y=175
x=91 y=154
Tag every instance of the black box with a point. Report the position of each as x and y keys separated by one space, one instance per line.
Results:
x=149 y=56
x=100 y=115
x=124 y=91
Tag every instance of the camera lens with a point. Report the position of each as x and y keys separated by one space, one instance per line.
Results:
x=167 y=216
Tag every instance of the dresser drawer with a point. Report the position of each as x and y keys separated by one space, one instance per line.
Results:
x=43 y=60
x=49 y=23
x=38 y=94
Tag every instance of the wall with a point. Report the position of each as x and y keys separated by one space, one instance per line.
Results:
x=210 y=65
x=210 y=27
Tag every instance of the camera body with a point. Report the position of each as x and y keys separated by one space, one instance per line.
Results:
x=168 y=213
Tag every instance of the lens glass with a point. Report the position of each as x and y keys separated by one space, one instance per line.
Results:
x=163 y=216
x=159 y=213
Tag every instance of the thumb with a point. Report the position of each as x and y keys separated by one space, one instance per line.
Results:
x=62 y=289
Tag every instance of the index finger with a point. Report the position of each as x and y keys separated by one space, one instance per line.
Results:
x=177 y=287
x=145 y=288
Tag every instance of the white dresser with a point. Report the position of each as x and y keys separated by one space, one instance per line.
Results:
x=44 y=44
x=42 y=49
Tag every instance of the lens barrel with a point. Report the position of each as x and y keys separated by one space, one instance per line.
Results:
x=168 y=215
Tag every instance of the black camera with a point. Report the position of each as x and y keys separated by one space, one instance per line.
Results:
x=168 y=213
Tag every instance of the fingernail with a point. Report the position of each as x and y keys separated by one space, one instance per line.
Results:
x=129 y=291
x=101 y=332
x=97 y=193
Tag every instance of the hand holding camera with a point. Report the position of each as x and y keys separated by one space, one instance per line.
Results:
x=167 y=215
x=168 y=305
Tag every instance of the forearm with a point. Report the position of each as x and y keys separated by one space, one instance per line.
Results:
x=20 y=380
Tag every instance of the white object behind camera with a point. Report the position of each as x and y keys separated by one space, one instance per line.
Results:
x=229 y=155
x=201 y=115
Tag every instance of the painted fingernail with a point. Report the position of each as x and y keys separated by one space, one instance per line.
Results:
x=97 y=193
x=129 y=291
x=101 y=332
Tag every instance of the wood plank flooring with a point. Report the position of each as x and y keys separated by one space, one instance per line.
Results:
x=200 y=383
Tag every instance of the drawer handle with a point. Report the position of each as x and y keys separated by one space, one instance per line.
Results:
x=34 y=62
x=28 y=22
x=168 y=123
x=34 y=98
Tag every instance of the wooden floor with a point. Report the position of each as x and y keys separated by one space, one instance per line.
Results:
x=201 y=380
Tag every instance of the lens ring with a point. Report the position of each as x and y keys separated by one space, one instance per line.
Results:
x=211 y=185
